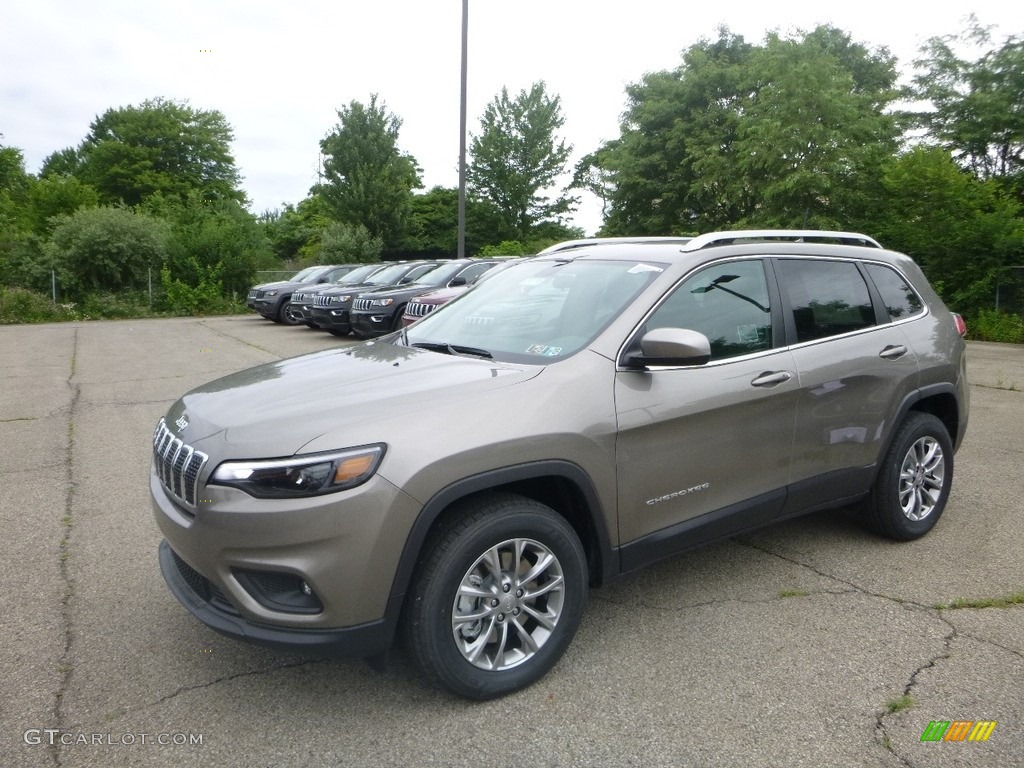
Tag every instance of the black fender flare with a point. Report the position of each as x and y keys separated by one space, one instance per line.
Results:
x=468 y=486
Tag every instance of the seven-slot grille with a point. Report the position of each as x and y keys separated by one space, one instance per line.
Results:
x=362 y=304
x=322 y=301
x=177 y=464
x=416 y=309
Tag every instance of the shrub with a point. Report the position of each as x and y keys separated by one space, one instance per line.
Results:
x=20 y=305
x=993 y=325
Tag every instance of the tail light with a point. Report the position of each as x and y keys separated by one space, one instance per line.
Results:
x=961 y=326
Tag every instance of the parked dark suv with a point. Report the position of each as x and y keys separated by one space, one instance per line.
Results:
x=331 y=307
x=379 y=311
x=579 y=415
x=301 y=304
x=272 y=300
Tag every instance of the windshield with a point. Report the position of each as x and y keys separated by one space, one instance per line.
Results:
x=439 y=275
x=303 y=275
x=358 y=274
x=534 y=312
x=389 y=275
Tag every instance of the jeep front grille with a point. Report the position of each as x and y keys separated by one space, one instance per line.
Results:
x=322 y=301
x=362 y=304
x=416 y=309
x=177 y=465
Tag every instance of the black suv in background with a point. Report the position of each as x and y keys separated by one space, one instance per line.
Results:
x=272 y=300
x=380 y=311
x=301 y=306
x=331 y=307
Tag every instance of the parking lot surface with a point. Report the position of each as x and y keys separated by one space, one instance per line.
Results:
x=810 y=643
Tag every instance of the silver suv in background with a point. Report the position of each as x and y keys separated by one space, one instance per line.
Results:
x=463 y=482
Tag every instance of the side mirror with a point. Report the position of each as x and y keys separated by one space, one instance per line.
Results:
x=457 y=281
x=670 y=346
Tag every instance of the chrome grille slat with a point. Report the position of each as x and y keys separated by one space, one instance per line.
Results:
x=362 y=304
x=177 y=465
x=415 y=309
x=322 y=301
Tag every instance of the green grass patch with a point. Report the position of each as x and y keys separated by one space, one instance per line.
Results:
x=900 y=704
x=985 y=602
x=793 y=593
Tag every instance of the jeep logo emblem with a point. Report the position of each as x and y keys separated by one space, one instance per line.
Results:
x=182 y=422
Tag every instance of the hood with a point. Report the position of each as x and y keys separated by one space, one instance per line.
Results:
x=337 y=290
x=275 y=409
x=442 y=295
x=396 y=291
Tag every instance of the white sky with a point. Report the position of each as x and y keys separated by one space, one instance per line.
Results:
x=279 y=71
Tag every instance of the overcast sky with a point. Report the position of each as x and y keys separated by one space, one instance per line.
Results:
x=279 y=71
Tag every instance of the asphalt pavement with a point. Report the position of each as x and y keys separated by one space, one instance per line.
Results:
x=811 y=643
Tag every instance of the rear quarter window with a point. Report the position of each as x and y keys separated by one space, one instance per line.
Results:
x=900 y=299
x=827 y=298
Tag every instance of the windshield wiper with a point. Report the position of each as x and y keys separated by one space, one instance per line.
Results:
x=452 y=349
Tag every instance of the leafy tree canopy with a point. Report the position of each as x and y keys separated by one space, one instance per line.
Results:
x=367 y=178
x=788 y=133
x=159 y=147
x=976 y=105
x=517 y=159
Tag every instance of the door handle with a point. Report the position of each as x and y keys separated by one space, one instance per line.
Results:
x=893 y=352
x=771 y=378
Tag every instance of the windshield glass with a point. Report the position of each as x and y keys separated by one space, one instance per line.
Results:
x=302 y=276
x=439 y=275
x=535 y=312
x=357 y=275
x=389 y=275
x=314 y=274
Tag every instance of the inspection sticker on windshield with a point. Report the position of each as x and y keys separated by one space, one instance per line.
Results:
x=644 y=268
x=544 y=349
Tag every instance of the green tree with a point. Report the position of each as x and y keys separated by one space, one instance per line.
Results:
x=959 y=228
x=214 y=241
x=106 y=249
x=159 y=147
x=368 y=179
x=787 y=133
x=52 y=196
x=348 y=244
x=975 y=105
x=517 y=158
x=294 y=232
x=433 y=224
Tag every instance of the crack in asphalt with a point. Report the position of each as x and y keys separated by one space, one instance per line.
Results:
x=240 y=341
x=64 y=551
x=198 y=687
x=721 y=601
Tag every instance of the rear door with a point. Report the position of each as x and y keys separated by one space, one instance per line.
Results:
x=854 y=369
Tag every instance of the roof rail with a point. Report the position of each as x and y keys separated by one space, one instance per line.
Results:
x=569 y=245
x=782 y=235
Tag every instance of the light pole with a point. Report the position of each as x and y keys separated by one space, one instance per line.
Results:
x=461 y=253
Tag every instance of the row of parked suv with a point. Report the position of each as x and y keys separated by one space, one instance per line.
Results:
x=366 y=299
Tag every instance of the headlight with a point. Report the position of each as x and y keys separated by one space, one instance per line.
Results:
x=310 y=475
x=270 y=293
x=340 y=299
x=382 y=302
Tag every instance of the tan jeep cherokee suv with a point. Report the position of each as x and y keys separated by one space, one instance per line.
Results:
x=462 y=482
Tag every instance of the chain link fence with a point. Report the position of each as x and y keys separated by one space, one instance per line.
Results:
x=1010 y=291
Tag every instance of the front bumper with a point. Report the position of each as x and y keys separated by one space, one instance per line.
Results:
x=368 y=639
x=331 y=319
x=345 y=546
x=367 y=324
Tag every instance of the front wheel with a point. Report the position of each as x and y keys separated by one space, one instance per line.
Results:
x=497 y=598
x=914 y=481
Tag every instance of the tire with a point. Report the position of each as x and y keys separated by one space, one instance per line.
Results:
x=913 y=483
x=337 y=332
x=516 y=624
x=284 y=314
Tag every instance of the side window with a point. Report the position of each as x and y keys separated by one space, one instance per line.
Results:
x=827 y=297
x=728 y=303
x=899 y=298
x=473 y=271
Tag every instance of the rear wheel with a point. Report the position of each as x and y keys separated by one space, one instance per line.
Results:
x=498 y=598
x=913 y=483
